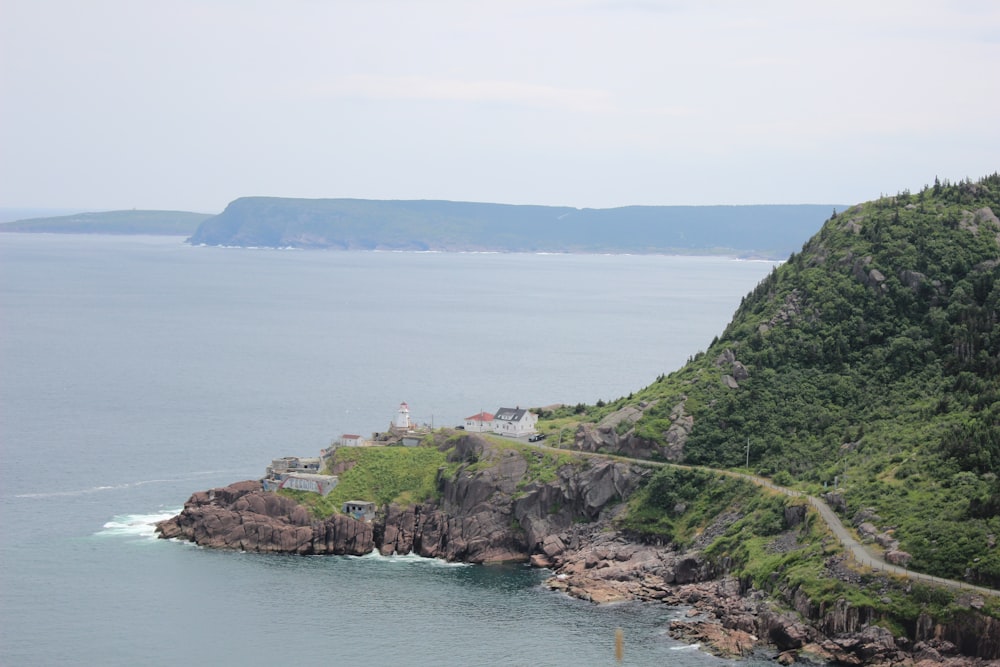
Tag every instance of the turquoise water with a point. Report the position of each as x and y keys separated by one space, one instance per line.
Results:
x=136 y=370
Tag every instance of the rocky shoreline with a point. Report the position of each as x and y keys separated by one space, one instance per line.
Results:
x=493 y=513
x=725 y=615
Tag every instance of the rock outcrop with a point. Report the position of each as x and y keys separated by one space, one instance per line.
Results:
x=498 y=512
x=244 y=517
x=615 y=434
x=490 y=510
x=729 y=617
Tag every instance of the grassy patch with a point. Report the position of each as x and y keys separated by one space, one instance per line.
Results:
x=382 y=475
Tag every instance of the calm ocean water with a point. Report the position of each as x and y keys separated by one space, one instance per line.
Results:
x=136 y=370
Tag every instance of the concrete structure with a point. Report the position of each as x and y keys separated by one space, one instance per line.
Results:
x=301 y=481
x=288 y=464
x=296 y=472
x=361 y=510
x=514 y=422
x=480 y=423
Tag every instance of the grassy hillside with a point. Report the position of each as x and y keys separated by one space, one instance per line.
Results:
x=867 y=366
x=161 y=223
x=359 y=224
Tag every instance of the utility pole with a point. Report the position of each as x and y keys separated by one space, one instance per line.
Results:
x=748 y=453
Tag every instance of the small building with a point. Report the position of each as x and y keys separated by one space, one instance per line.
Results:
x=304 y=468
x=479 y=423
x=410 y=440
x=302 y=481
x=361 y=510
x=289 y=464
x=351 y=440
x=514 y=422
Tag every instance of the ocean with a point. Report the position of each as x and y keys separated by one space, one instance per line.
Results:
x=137 y=370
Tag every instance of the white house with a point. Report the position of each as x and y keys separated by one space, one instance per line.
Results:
x=351 y=440
x=480 y=423
x=514 y=422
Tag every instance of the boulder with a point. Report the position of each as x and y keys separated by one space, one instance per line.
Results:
x=897 y=557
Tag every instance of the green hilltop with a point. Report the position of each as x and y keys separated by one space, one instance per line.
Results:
x=865 y=368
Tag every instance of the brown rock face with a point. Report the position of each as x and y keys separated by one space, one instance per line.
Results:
x=616 y=434
x=486 y=513
x=495 y=513
x=242 y=516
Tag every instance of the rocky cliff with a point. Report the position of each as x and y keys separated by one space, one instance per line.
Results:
x=492 y=509
x=498 y=504
x=244 y=517
x=359 y=224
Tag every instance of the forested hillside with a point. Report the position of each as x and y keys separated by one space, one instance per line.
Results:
x=866 y=367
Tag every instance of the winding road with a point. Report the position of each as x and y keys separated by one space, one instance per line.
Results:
x=856 y=549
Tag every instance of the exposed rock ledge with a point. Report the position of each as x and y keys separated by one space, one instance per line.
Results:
x=244 y=517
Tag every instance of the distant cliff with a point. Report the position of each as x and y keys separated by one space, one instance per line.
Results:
x=360 y=224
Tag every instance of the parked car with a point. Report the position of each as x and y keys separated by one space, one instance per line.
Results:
x=536 y=437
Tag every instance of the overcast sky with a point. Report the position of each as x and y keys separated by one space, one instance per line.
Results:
x=188 y=104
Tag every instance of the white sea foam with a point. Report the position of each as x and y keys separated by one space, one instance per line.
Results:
x=184 y=477
x=686 y=647
x=136 y=525
x=408 y=559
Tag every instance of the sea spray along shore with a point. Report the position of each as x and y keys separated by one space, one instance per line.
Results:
x=763 y=548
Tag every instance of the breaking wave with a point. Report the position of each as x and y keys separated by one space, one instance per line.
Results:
x=408 y=559
x=136 y=525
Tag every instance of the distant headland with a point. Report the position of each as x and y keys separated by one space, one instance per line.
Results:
x=155 y=223
x=756 y=231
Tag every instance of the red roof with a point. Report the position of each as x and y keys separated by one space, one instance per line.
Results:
x=348 y=436
x=481 y=417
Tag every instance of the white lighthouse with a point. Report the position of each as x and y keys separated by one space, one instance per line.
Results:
x=403 y=417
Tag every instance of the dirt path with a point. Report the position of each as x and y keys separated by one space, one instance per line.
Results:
x=858 y=551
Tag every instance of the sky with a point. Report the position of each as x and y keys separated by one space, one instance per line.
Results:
x=189 y=104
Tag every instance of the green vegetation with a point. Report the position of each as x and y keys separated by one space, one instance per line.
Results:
x=407 y=475
x=678 y=503
x=162 y=223
x=542 y=463
x=873 y=362
x=380 y=474
x=745 y=527
x=359 y=224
